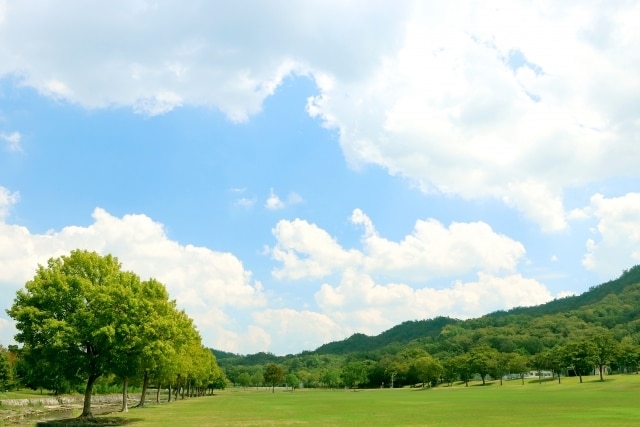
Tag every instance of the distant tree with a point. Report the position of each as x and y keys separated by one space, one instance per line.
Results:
x=354 y=373
x=243 y=380
x=628 y=355
x=273 y=375
x=292 y=381
x=427 y=369
x=330 y=377
x=606 y=349
x=519 y=364
x=463 y=367
x=257 y=379
x=555 y=360
x=6 y=370
x=483 y=360
x=501 y=365
x=579 y=356
x=539 y=362
x=449 y=373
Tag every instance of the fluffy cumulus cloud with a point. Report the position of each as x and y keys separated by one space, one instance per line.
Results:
x=204 y=282
x=307 y=251
x=616 y=245
x=431 y=251
x=388 y=282
x=519 y=101
x=292 y=330
x=7 y=199
x=515 y=100
x=358 y=303
x=156 y=56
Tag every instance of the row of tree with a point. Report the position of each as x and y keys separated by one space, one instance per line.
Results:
x=82 y=318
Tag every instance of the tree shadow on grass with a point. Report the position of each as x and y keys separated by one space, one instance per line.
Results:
x=93 y=422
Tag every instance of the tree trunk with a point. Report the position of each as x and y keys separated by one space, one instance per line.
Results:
x=158 y=392
x=169 y=401
x=580 y=378
x=601 y=369
x=125 y=391
x=86 y=408
x=145 y=384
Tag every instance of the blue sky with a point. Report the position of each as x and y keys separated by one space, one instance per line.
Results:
x=296 y=172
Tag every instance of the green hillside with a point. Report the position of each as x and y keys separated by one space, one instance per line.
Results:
x=551 y=335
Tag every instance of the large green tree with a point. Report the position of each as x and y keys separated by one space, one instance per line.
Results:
x=66 y=317
x=82 y=317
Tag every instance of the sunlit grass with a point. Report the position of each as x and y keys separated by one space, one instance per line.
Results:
x=593 y=403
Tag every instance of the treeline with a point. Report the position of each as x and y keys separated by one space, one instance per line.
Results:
x=82 y=320
x=593 y=333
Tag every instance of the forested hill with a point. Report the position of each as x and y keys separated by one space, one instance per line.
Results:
x=598 y=299
x=399 y=334
x=594 y=295
x=614 y=305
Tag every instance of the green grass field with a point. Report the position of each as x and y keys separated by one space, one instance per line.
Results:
x=593 y=403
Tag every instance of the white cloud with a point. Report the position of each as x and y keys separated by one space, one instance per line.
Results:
x=246 y=202
x=537 y=204
x=383 y=284
x=307 y=251
x=618 y=247
x=204 y=282
x=13 y=140
x=358 y=303
x=519 y=101
x=431 y=251
x=291 y=330
x=454 y=111
x=273 y=201
x=7 y=200
x=224 y=55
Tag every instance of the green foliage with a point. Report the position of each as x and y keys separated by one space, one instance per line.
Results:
x=273 y=375
x=354 y=373
x=82 y=320
x=6 y=370
x=547 y=337
x=400 y=334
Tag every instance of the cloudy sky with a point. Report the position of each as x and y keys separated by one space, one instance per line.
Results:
x=297 y=171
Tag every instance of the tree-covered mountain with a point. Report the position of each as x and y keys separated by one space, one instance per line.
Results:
x=606 y=317
x=399 y=334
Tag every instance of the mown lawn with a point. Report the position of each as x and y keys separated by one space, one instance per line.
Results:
x=593 y=403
